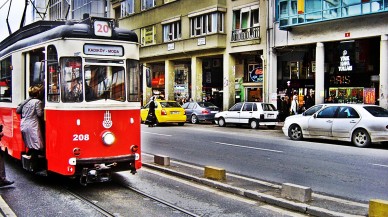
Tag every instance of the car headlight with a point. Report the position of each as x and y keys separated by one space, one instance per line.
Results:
x=108 y=138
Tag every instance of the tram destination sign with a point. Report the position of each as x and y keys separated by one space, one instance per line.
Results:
x=103 y=50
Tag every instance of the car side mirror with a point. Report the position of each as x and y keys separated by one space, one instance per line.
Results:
x=315 y=115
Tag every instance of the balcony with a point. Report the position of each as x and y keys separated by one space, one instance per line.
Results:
x=245 y=34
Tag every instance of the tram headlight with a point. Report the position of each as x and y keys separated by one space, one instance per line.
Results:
x=108 y=138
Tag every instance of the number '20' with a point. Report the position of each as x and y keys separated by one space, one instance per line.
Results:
x=80 y=137
x=102 y=28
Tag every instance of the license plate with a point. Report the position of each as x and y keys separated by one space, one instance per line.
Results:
x=174 y=113
x=270 y=115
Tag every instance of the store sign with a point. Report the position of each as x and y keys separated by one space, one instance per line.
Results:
x=345 y=62
x=256 y=75
x=103 y=50
x=339 y=80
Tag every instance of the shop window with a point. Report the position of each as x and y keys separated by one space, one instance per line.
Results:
x=146 y=4
x=127 y=8
x=172 y=31
x=207 y=24
x=6 y=80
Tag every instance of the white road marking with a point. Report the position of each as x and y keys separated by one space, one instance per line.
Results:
x=159 y=134
x=380 y=165
x=241 y=146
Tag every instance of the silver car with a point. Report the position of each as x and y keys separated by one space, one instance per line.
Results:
x=358 y=123
x=252 y=113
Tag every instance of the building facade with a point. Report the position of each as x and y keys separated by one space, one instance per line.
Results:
x=334 y=50
x=211 y=50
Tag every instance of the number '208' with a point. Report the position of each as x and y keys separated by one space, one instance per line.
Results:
x=80 y=137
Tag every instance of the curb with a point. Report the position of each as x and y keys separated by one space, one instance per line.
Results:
x=5 y=210
x=280 y=202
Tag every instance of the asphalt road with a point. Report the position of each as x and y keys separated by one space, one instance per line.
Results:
x=49 y=196
x=337 y=169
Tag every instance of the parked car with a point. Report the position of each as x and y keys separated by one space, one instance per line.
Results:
x=252 y=113
x=358 y=123
x=166 y=111
x=200 y=111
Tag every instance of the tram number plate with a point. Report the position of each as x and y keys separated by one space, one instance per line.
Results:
x=81 y=137
x=102 y=28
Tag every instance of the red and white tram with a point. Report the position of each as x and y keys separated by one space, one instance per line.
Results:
x=91 y=75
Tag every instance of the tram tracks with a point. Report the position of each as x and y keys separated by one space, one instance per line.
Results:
x=109 y=213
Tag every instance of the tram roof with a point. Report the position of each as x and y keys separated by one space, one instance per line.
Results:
x=43 y=30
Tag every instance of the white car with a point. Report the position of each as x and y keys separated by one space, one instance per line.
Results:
x=252 y=113
x=360 y=124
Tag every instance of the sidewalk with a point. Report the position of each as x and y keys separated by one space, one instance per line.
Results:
x=270 y=193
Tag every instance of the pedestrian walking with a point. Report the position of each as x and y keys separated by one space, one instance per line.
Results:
x=151 y=118
x=294 y=105
x=3 y=178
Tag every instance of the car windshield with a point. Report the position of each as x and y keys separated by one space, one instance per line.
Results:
x=170 y=105
x=312 y=110
x=377 y=111
x=206 y=104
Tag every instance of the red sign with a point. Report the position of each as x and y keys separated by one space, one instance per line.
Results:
x=369 y=96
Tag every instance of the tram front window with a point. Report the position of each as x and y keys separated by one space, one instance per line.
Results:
x=104 y=82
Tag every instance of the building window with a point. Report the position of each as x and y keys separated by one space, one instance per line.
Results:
x=95 y=8
x=172 y=31
x=146 y=4
x=148 y=35
x=207 y=24
x=127 y=8
x=246 y=23
x=58 y=9
x=295 y=12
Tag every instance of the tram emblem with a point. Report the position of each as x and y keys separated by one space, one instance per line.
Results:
x=107 y=123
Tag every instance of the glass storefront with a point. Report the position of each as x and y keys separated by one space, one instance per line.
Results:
x=352 y=71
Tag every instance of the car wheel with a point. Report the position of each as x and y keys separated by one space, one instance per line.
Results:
x=295 y=132
x=361 y=138
x=181 y=124
x=221 y=122
x=254 y=124
x=271 y=127
x=194 y=119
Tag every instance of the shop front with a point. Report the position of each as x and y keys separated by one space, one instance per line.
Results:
x=296 y=75
x=352 y=71
x=249 y=78
x=212 y=76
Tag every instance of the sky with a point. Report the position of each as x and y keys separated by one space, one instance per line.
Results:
x=14 y=18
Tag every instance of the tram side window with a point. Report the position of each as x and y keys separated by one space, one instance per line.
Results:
x=5 y=80
x=71 y=79
x=104 y=82
x=133 y=81
x=52 y=75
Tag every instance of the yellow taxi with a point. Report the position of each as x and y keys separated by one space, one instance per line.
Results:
x=166 y=111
